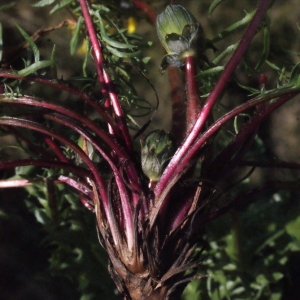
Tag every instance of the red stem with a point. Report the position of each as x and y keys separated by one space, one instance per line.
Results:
x=118 y=150
x=170 y=172
x=101 y=186
x=126 y=207
x=179 y=169
x=55 y=149
x=105 y=81
x=192 y=92
x=33 y=101
x=178 y=105
x=147 y=9
x=215 y=127
x=64 y=86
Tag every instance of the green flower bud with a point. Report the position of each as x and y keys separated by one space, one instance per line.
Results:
x=157 y=149
x=180 y=34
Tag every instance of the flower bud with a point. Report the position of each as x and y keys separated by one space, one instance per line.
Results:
x=180 y=34
x=157 y=149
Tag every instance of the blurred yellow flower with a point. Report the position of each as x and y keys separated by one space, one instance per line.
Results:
x=131 y=25
x=82 y=49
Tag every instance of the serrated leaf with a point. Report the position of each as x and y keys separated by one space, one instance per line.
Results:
x=43 y=3
x=214 y=5
x=32 y=44
x=74 y=40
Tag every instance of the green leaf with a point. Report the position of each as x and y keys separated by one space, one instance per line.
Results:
x=11 y=146
x=43 y=3
x=277 y=276
x=74 y=40
x=226 y=52
x=60 y=5
x=266 y=49
x=295 y=76
x=32 y=44
x=230 y=29
x=293 y=228
x=6 y=6
x=211 y=71
x=123 y=54
x=35 y=67
x=214 y=5
x=109 y=40
x=146 y=59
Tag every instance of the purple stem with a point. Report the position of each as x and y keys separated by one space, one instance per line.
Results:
x=243 y=134
x=101 y=187
x=220 y=122
x=209 y=133
x=170 y=172
x=192 y=92
x=55 y=149
x=34 y=101
x=127 y=210
x=64 y=86
x=105 y=81
x=76 y=185
x=120 y=152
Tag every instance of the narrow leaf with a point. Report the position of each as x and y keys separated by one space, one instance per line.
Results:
x=211 y=71
x=230 y=29
x=43 y=3
x=6 y=6
x=32 y=44
x=110 y=41
x=295 y=76
x=230 y=49
x=214 y=5
x=74 y=40
x=123 y=54
x=266 y=49
x=60 y=5
x=35 y=67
